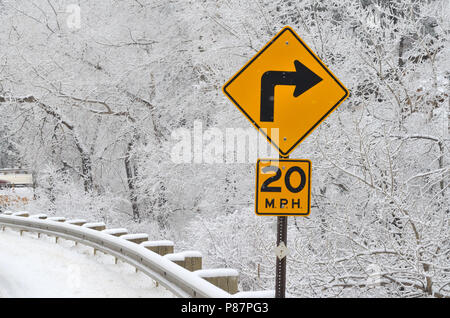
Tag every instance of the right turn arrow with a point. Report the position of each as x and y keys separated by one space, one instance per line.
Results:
x=303 y=79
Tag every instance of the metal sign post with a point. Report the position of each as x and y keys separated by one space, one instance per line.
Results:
x=280 y=275
x=280 y=270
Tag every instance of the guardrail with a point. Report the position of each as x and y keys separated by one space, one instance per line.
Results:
x=175 y=278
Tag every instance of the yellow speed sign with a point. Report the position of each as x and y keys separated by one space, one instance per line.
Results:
x=283 y=187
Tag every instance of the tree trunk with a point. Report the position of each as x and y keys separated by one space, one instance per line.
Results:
x=131 y=178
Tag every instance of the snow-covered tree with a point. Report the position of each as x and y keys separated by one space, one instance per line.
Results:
x=91 y=92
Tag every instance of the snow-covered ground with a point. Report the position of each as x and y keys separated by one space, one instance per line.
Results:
x=32 y=267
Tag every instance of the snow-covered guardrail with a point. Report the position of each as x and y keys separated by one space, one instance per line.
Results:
x=175 y=278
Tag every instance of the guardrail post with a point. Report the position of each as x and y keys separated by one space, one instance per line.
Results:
x=135 y=238
x=177 y=258
x=193 y=263
x=224 y=278
x=191 y=260
x=39 y=216
x=78 y=222
x=57 y=219
x=24 y=215
x=116 y=232
x=98 y=226
x=159 y=247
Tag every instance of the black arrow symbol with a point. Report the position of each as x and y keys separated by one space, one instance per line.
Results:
x=303 y=79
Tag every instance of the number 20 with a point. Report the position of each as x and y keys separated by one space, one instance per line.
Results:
x=287 y=179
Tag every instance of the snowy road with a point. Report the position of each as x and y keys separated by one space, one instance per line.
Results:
x=31 y=267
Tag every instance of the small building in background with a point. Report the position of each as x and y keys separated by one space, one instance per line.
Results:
x=16 y=188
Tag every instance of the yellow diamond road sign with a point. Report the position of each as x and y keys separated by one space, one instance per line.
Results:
x=285 y=91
